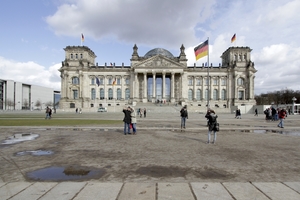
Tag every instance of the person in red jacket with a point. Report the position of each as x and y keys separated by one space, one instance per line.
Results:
x=282 y=115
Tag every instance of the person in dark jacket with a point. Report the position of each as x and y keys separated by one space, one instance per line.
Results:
x=212 y=122
x=184 y=116
x=127 y=120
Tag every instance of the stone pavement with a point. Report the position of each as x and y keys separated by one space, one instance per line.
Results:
x=150 y=191
x=161 y=190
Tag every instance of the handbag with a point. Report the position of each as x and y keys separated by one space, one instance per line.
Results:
x=217 y=128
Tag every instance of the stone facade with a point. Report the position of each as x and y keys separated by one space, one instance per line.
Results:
x=156 y=76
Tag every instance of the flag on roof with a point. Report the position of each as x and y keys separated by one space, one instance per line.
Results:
x=82 y=37
x=201 y=50
x=233 y=38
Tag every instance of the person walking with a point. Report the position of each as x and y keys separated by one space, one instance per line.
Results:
x=127 y=120
x=133 y=121
x=282 y=115
x=145 y=112
x=256 y=114
x=47 y=113
x=212 y=125
x=184 y=116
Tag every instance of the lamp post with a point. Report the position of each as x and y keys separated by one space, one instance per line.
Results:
x=293 y=108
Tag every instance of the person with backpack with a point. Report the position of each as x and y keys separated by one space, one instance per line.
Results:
x=184 y=116
x=212 y=125
x=282 y=115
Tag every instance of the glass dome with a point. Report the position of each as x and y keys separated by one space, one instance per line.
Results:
x=158 y=51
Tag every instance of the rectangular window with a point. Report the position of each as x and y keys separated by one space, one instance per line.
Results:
x=75 y=94
x=223 y=81
x=199 y=82
x=190 y=81
x=93 y=81
x=241 y=95
x=127 y=81
x=118 y=81
x=215 y=81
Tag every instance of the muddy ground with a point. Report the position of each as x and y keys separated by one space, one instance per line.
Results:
x=248 y=149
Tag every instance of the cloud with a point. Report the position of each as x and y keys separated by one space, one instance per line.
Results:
x=30 y=73
x=149 y=23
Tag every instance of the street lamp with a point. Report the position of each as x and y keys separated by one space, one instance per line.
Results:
x=293 y=108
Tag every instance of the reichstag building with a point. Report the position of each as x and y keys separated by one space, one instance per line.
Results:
x=158 y=76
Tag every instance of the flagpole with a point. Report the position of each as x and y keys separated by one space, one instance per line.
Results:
x=208 y=95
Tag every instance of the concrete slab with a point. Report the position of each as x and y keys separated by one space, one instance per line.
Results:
x=97 y=190
x=12 y=189
x=244 y=191
x=276 y=190
x=34 y=191
x=136 y=191
x=64 y=190
x=174 y=191
x=294 y=185
x=213 y=191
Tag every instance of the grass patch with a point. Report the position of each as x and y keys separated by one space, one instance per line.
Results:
x=57 y=122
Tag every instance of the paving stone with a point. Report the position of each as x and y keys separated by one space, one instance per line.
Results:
x=135 y=191
x=276 y=190
x=244 y=191
x=99 y=191
x=64 y=190
x=294 y=185
x=174 y=191
x=213 y=191
x=12 y=189
x=34 y=191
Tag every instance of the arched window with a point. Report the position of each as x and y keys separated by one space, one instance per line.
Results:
x=215 y=94
x=223 y=94
x=190 y=97
x=240 y=81
x=81 y=56
x=75 y=80
x=119 y=94
x=127 y=94
x=110 y=94
x=102 y=96
x=76 y=56
x=71 y=56
x=93 y=93
x=199 y=95
x=75 y=94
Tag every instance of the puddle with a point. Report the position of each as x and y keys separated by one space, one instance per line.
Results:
x=35 y=153
x=20 y=137
x=65 y=173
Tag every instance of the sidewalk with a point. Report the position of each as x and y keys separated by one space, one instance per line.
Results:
x=253 y=159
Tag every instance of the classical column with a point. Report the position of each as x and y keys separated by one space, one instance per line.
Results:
x=145 y=85
x=164 y=86
x=194 y=88
x=154 y=86
x=122 y=88
x=135 y=85
x=202 y=88
x=172 y=86
x=105 y=94
x=219 y=88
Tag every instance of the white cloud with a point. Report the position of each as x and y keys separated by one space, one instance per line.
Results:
x=30 y=73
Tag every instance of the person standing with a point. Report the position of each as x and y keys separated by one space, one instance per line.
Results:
x=127 y=120
x=145 y=112
x=212 y=125
x=184 y=116
x=47 y=113
x=282 y=115
x=133 y=120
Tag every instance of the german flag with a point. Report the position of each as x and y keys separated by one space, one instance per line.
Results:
x=233 y=38
x=114 y=82
x=201 y=50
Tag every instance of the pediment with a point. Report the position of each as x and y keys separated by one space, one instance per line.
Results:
x=158 y=61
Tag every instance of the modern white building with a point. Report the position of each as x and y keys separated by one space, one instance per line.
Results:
x=21 y=96
x=156 y=76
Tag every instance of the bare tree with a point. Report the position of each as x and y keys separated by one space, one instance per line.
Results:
x=49 y=103
x=10 y=103
x=38 y=103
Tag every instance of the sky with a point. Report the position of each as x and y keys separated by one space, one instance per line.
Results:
x=34 y=34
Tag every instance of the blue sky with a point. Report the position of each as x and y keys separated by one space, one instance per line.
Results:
x=34 y=33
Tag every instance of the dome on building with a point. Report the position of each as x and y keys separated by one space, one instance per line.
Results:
x=158 y=51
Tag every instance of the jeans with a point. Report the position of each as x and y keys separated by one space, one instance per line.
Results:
x=126 y=126
x=183 y=119
x=215 y=136
x=47 y=116
x=281 y=124
x=134 y=127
